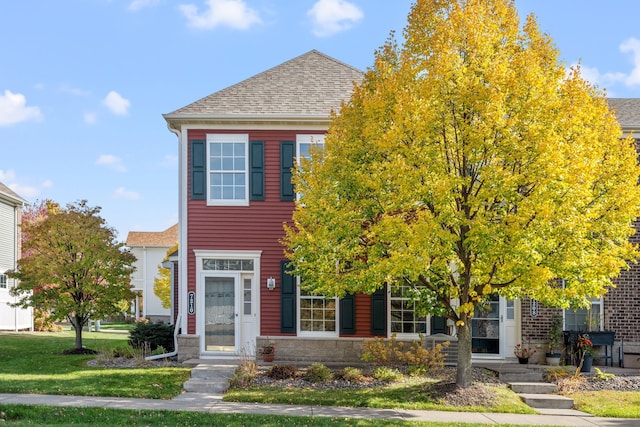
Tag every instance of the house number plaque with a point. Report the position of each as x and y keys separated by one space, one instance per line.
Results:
x=534 y=308
x=191 y=303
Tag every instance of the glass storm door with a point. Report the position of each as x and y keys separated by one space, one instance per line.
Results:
x=485 y=328
x=220 y=313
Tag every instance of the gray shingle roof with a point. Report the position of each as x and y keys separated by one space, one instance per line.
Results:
x=8 y=194
x=627 y=112
x=308 y=86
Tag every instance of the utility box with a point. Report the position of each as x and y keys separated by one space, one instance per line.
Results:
x=632 y=360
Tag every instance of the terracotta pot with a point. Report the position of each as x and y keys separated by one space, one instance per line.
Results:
x=268 y=357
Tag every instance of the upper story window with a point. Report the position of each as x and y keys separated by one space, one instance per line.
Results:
x=227 y=164
x=305 y=142
x=3 y=281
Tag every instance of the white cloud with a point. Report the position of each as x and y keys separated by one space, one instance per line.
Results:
x=13 y=109
x=116 y=103
x=136 y=5
x=593 y=75
x=64 y=87
x=221 y=13
x=27 y=191
x=90 y=118
x=112 y=162
x=632 y=46
x=123 y=193
x=332 y=16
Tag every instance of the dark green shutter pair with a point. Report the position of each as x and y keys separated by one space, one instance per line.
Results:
x=347 y=308
x=199 y=170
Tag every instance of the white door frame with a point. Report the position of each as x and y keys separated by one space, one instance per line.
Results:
x=246 y=326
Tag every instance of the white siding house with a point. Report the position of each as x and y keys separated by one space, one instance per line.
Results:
x=150 y=249
x=13 y=319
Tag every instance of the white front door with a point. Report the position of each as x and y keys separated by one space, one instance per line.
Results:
x=493 y=328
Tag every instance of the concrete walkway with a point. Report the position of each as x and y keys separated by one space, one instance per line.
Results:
x=213 y=404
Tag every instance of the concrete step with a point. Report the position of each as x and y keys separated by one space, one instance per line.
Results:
x=547 y=401
x=515 y=375
x=205 y=386
x=212 y=372
x=533 y=388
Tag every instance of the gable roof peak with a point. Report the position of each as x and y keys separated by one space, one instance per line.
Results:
x=307 y=86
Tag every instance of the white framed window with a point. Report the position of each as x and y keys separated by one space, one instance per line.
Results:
x=317 y=314
x=3 y=281
x=584 y=319
x=228 y=169
x=304 y=144
x=403 y=317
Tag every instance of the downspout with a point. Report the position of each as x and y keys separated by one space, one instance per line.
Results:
x=176 y=329
x=175 y=342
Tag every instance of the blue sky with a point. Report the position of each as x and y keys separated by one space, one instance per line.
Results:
x=84 y=83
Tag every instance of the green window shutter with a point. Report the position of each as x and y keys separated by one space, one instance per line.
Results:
x=287 y=154
x=287 y=299
x=438 y=325
x=198 y=170
x=348 y=314
x=379 y=312
x=256 y=174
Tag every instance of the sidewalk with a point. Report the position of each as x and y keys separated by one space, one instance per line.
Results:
x=213 y=404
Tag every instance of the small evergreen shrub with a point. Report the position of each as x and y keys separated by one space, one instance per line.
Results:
x=388 y=375
x=282 y=372
x=151 y=335
x=318 y=373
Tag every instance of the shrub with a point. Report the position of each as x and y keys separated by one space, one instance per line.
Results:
x=353 y=375
x=151 y=335
x=42 y=322
x=318 y=373
x=245 y=374
x=282 y=372
x=389 y=375
x=410 y=356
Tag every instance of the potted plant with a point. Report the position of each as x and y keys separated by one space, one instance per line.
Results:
x=585 y=352
x=523 y=353
x=555 y=339
x=268 y=352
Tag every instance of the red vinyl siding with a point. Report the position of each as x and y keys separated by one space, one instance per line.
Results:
x=258 y=226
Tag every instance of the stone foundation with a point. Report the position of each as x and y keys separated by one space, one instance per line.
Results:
x=336 y=350
x=188 y=347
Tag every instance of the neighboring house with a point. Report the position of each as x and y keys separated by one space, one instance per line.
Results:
x=14 y=319
x=236 y=150
x=618 y=310
x=150 y=249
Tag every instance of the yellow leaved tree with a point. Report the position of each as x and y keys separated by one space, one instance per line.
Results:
x=468 y=163
x=162 y=282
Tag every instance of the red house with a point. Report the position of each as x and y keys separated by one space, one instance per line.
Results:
x=236 y=149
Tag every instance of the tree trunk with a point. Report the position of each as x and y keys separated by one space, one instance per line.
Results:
x=464 y=375
x=78 y=324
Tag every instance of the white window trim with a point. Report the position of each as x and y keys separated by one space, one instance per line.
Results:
x=328 y=334
x=598 y=301
x=415 y=335
x=228 y=137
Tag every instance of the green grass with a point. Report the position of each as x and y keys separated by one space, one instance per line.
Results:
x=116 y=326
x=412 y=394
x=19 y=415
x=34 y=363
x=607 y=403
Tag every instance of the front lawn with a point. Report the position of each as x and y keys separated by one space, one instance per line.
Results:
x=35 y=363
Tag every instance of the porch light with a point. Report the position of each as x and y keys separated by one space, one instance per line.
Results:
x=271 y=283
